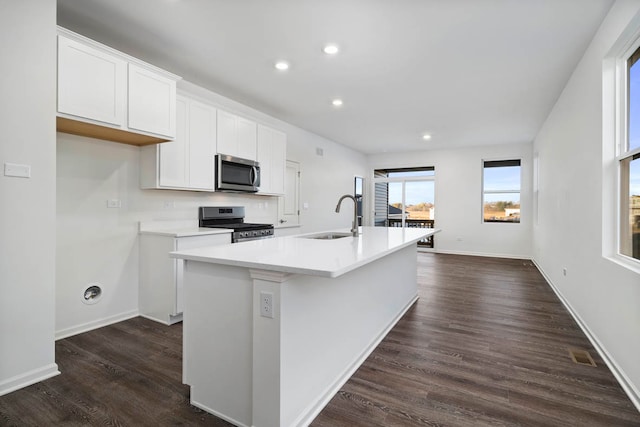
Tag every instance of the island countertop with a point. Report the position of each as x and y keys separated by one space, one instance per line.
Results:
x=301 y=254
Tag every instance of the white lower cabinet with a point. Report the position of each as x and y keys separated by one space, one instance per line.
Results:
x=185 y=163
x=161 y=277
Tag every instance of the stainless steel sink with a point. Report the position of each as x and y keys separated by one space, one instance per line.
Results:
x=327 y=236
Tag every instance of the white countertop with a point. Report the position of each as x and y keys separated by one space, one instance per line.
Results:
x=299 y=255
x=178 y=229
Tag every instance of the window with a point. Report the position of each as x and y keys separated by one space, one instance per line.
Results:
x=405 y=198
x=629 y=163
x=501 y=191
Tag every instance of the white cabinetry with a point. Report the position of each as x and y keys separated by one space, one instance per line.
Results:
x=152 y=102
x=185 y=163
x=161 y=277
x=237 y=136
x=271 y=154
x=103 y=93
x=91 y=83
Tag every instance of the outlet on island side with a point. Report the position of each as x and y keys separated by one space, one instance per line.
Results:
x=266 y=304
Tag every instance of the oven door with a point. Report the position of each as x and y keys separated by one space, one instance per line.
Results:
x=236 y=174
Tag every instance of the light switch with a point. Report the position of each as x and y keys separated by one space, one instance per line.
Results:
x=20 y=171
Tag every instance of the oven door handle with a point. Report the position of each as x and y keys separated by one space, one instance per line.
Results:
x=254 y=175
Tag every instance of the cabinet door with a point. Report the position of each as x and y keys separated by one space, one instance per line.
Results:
x=202 y=145
x=91 y=83
x=264 y=158
x=247 y=138
x=272 y=146
x=278 y=161
x=152 y=102
x=227 y=134
x=174 y=159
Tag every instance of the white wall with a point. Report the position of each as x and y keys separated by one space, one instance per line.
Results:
x=602 y=294
x=98 y=244
x=27 y=221
x=458 y=199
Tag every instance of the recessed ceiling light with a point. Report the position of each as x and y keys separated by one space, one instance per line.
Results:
x=337 y=102
x=282 y=65
x=426 y=137
x=331 y=49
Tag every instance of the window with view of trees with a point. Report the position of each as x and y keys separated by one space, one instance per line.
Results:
x=501 y=191
x=629 y=163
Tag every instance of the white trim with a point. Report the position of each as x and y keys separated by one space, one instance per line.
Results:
x=217 y=414
x=615 y=137
x=108 y=49
x=483 y=254
x=624 y=381
x=173 y=318
x=28 y=378
x=311 y=412
x=89 y=326
x=404 y=178
x=485 y=192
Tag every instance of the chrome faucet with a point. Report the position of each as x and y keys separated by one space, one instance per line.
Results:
x=354 y=226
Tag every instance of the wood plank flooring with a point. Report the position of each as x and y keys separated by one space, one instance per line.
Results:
x=486 y=344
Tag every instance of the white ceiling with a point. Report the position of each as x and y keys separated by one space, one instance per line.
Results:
x=469 y=72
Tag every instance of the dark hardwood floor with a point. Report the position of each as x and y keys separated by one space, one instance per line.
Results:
x=487 y=343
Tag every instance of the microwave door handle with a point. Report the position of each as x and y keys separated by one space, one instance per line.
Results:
x=254 y=175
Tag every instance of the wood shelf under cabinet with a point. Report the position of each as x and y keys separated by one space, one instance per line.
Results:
x=104 y=132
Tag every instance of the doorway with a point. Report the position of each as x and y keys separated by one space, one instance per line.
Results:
x=405 y=198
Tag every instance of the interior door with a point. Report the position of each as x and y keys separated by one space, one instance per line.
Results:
x=289 y=204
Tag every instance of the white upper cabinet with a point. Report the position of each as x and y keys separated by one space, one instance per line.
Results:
x=271 y=154
x=152 y=102
x=106 y=94
x=173 y=170
x=237 y=136
x=187 y=162
x=91 y=83
x=227 y=133
x=202 y=145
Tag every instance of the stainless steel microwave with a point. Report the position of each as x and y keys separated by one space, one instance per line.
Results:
x=237 y=174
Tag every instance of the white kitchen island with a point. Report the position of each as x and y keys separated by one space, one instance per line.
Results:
x=332 y=302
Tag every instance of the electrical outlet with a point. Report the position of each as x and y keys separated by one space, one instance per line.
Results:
x=114 y=203
x=266 y=304
x=564 y=271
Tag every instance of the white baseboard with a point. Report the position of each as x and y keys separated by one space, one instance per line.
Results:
x=28 y=378
x=626 y=384
x=309 y=414
x=217 y=414
x=484 y=254
x=85 y=327
x=172 y=319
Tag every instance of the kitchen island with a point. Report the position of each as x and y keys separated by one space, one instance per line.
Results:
x=273 y=328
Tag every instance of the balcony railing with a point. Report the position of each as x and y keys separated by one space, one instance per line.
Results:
x=414 y=223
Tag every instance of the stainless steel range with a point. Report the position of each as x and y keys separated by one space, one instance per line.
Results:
x=233 y=217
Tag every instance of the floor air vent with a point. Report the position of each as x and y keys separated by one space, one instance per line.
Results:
x=581 y=357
